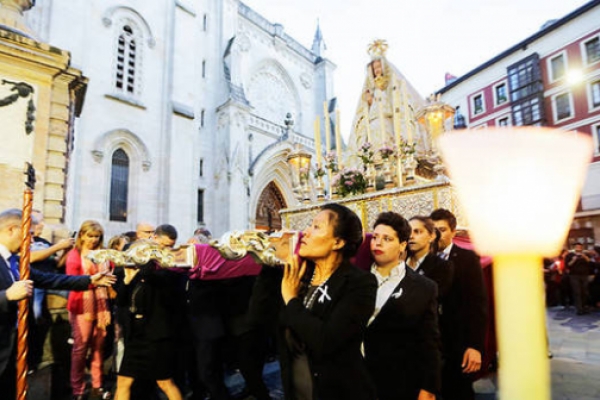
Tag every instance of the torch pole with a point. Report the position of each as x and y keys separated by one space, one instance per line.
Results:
x=22 y=327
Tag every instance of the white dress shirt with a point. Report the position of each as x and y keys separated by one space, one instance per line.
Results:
x=386 y=286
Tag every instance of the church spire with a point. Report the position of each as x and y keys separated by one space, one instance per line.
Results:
x=318 y=46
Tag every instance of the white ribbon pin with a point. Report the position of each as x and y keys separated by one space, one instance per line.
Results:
x=397 y=294
x=324 y=296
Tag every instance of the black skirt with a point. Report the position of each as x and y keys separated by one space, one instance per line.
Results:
x=147 y=359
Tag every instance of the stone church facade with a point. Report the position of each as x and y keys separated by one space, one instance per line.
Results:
x=184 y=120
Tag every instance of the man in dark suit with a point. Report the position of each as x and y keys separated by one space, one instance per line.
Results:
x=464 y=318
x=12 y=290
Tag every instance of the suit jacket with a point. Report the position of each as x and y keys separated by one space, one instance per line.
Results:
x=463 y=322
x=441 y=272
x=8 y=309
x=402 y=344
x=332 y=332
x=218 y=307
x=152 y=293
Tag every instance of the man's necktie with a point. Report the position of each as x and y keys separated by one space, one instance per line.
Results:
x=14 y=266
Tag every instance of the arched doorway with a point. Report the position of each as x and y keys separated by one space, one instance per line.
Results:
x=267 y=211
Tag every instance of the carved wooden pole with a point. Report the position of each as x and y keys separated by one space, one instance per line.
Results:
x=23 y=328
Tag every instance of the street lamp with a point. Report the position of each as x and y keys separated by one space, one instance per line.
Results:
x=433 y=118
x=299 y=161
x=519 y=189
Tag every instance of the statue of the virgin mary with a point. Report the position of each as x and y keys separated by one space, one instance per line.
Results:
x=385 y=92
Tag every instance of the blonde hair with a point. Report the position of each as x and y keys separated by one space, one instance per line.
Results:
x=89 y=226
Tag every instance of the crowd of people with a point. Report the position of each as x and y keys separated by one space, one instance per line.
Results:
x=398 y=313
x=573 y=279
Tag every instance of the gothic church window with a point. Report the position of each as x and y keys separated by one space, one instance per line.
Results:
x=119 y=185
x=127 y=62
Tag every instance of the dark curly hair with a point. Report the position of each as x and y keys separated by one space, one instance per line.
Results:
x=346 y=226
x=395 y=221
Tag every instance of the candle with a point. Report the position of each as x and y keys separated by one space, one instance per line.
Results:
x=397 y=126
x=396 y=105
x=327 y=127
x=407 y=115
x=338 y=138
x=318 y=141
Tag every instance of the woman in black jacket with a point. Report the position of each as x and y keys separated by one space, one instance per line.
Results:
x=402 y=344
x=145 y=308
x=326 y=305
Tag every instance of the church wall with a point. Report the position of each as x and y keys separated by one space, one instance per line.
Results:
x=186 y=64
x=182 y=193
x=160 y=128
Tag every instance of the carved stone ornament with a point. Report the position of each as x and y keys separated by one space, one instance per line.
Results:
x=243 y=42
x=98 y=155
x=306 y=80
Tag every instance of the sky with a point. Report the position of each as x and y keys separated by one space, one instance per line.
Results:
x=426 y=38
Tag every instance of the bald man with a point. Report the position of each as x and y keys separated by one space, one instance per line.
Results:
x=144 y=230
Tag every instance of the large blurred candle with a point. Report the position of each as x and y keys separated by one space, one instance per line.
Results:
x=518 y=188
x=338 y=138
x=318 y=141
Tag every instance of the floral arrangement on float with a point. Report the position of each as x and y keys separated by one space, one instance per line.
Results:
x=407 y=149
x=349 y=182
x=386 y=152
x=366 y=153
x=319 y=172
x=331 y=161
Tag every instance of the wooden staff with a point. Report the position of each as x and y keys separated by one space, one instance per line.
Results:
x=23 y=328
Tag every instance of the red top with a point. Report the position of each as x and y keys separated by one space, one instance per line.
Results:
x=74 y=267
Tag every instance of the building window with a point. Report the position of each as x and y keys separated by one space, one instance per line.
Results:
x=119 y=184
x=125 y=79
x=592 y=50
x=201 y=170
x=596 y=135
x=562 y=106
x=500 y=94
x=477 y=104
x=594 y=94
x=200 y=210
x=558 y=67
x=526 y=91
x=205 y=23
x=204 y=68
x=504 y=121
x=202 y=115
x=527 y=112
